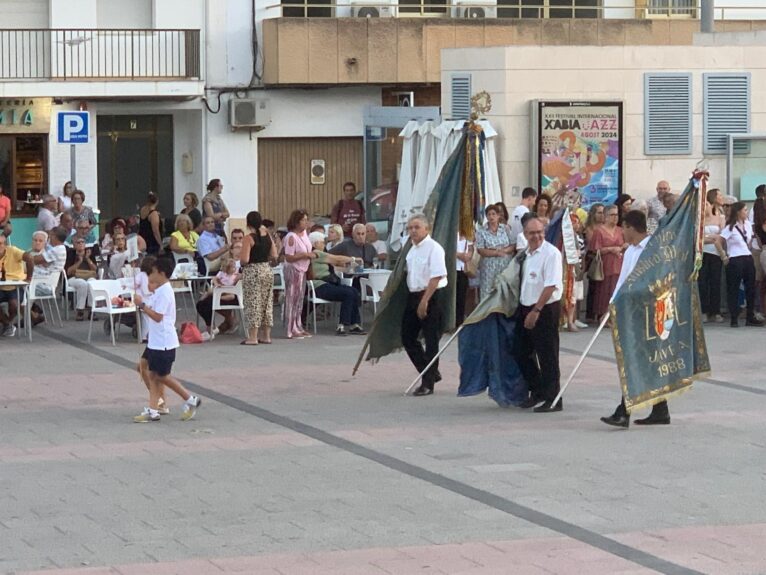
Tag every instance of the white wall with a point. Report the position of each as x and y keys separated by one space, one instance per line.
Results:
x=233 y=156
x=121 y=14
x=73 y=14
x=516 y=75
x=23 y=14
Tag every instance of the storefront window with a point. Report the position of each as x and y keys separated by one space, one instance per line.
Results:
x=23 y=161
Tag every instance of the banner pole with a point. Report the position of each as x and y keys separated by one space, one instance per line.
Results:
x=582 y=358
x=441 y=351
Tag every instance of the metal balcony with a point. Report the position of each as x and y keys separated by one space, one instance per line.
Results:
x=89 y=54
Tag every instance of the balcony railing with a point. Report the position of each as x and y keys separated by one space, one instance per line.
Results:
x=86 y=54
x=514 y=9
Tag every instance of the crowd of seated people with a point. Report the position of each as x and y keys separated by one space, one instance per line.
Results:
x=67 y=242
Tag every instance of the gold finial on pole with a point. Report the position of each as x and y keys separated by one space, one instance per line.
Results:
x=481 y=104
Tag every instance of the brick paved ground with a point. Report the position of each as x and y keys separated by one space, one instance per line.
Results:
x=292 y=466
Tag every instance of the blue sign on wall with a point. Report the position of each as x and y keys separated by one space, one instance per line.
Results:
x=73 y=127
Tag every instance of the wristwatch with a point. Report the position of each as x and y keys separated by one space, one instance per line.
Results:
x=538 y=309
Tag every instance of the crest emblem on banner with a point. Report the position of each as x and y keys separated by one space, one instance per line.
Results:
x=664 y=306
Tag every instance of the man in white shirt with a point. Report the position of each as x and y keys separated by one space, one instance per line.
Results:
x=528 y=197
x=380 y=246
x=537 y=335
x=46 y=216
x=160 y=352
x=426 y=276
x=634 y=229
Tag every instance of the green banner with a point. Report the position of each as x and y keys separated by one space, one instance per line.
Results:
x=656 y=319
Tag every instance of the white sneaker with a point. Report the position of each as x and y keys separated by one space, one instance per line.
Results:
x=580 y=324
x=10 y=330
x=759 y=316
x=190 y=408
x=162 y=408
x=146 y=416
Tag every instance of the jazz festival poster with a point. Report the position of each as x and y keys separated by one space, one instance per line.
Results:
x=580 y=151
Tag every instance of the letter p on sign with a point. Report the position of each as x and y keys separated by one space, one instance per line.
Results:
x=73 y=127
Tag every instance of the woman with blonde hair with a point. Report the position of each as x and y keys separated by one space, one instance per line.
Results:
x=183 y=241
x=334 y=236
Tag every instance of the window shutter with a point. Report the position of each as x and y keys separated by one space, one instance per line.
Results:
x=667 y=114
x=461 y=96
x=727 y=110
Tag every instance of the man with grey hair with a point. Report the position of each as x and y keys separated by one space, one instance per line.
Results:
x=656 y=206
x=46 y=216
x=356 y=246
x=426 y=276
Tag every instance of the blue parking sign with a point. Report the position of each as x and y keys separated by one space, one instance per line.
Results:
x=73 y=127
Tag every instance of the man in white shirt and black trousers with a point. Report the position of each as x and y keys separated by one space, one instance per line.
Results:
x=537 y=336
x=426 y=276
x=635 y=230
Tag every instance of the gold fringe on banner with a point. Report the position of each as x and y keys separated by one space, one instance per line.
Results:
x=471 y=196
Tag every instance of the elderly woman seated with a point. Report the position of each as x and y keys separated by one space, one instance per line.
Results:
x=327 y=286
x=183 y=241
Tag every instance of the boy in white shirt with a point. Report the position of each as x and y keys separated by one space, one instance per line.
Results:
x=160 y=352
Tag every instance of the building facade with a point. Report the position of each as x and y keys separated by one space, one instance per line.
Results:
x=282 y=102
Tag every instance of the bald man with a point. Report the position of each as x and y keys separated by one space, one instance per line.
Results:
x=656 y=206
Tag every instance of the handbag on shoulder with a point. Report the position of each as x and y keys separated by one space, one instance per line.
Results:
x=596 y=268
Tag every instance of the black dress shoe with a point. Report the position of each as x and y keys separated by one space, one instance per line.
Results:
x=654 y=420
x=617 y=420
x=423 y=390
x=734 y=323
x=754 y=322
x=548 y=407
x=530 y=402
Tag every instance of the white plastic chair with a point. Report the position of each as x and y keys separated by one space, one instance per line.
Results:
x=182 y=258
x=52 y=281
x=180 y=273
x=236 y=290
x=67 y=290
x=101 y=294
x=314 y=301
x=372 y=286
x=279 y=287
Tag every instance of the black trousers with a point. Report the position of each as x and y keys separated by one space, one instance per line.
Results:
x=461 y=292
x=709 y=282
x=205 y=309
x=740 y=269
x=540 y=345
x=430 y=326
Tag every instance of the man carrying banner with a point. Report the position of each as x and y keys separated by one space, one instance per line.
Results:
x=538 y=322
x=426 y=275
x=657 y=324
x=635 y=234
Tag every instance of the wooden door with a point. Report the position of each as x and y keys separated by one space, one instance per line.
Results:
x=284 y=174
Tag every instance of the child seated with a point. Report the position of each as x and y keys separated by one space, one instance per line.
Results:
x=228 y=277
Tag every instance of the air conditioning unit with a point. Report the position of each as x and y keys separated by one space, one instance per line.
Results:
x=246 y=113
x=475 y=9
x=373 y=8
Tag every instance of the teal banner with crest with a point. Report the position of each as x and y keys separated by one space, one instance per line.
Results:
x=656 y=319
